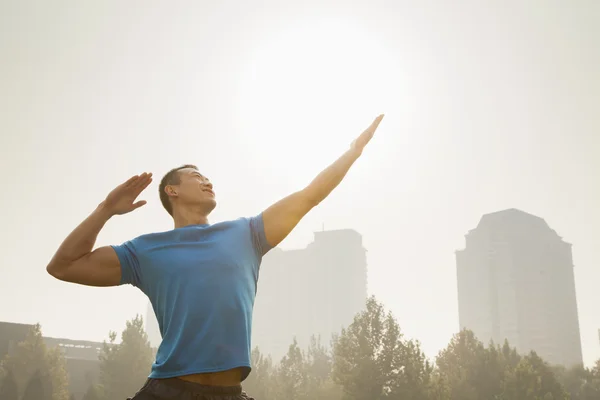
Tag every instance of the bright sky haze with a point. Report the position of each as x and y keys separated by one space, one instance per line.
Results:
x=489 y=105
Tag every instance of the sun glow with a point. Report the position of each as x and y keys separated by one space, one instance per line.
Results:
x=315 y=85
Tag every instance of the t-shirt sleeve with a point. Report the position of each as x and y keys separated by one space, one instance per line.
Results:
x=130 y=266
x=259 y=239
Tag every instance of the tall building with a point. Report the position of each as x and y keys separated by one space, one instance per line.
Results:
x=515 y=282
x=312 y=291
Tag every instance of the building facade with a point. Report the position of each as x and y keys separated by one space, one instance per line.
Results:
x=516 y=283
x=82 y=362
x=10 y=335
x=313 y=291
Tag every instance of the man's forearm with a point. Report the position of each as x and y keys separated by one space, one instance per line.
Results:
x=331 y=177
x=280 y=218
x=81 y=241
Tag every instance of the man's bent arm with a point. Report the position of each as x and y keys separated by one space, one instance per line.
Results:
x=75 y=261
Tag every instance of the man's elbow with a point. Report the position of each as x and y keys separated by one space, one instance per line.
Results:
x=56 y=271
x=52 y=270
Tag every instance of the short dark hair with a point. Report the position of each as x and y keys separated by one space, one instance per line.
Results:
x=171 y=178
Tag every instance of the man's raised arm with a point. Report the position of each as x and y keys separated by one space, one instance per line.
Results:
x=283 y=216
x=75 y=261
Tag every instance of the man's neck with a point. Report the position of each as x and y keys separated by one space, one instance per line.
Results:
x=189 y=217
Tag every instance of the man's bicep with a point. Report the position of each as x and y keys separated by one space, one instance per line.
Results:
x=282 y=217
x=101 y=267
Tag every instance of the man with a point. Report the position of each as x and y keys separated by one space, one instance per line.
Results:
x=200 y=278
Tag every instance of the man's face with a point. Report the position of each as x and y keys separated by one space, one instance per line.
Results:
x=195 y=189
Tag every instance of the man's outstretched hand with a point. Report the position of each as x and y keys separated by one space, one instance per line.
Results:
x=360 y=142
x=122 y=198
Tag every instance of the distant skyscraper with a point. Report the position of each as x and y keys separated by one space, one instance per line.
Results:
x=515 y=282
x=316 y=290
x=152 y=329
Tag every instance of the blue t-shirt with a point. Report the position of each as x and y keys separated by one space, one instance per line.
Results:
x=201 y=281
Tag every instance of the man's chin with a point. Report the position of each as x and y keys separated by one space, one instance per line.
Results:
x=210 y=205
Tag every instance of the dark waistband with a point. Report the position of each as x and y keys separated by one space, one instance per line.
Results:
x=192 y=387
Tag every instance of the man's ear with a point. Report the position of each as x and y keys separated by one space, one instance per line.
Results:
x=171 y=191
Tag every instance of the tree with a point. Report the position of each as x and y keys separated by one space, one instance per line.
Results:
x=533 y=379
x=414 y=377
x=593 y=388
x=579 y=382
x=318 y=364
x=93 y=393
x=469 y=371
x=301 y=375
x=57 y=374
x=9 y=389
x=439 y=388
x=31 y=356
x=125 y=366
x=35 y=388
x=292 y=374
x=371 y=361
x=260 y=383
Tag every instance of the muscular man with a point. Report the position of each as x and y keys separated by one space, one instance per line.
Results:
x=200 y=278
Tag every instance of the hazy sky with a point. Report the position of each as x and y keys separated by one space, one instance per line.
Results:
x=490 y=105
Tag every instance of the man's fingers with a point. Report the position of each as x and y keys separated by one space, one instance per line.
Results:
x=143 y=181
x=373 y=127
x=131 y=181
x=376 y=122
x=137 y=180
x=138 y=204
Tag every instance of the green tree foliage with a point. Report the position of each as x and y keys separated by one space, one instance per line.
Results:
x=318 y=364
x=261 y=382
x=8 y=388
x=93 y=393
x=292 y=380
x=581 y=383
x=35 y=389
x=300 y=375
x=372 y=361
x=31 y=356
x=469 y=371
x=57 y=374
x=533 y=379
x=125 y=366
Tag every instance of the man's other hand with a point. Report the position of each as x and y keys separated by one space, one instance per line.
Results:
x=122 y=198
x=360 y=142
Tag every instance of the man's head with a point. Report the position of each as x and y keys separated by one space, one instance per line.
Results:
x=185 y=186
